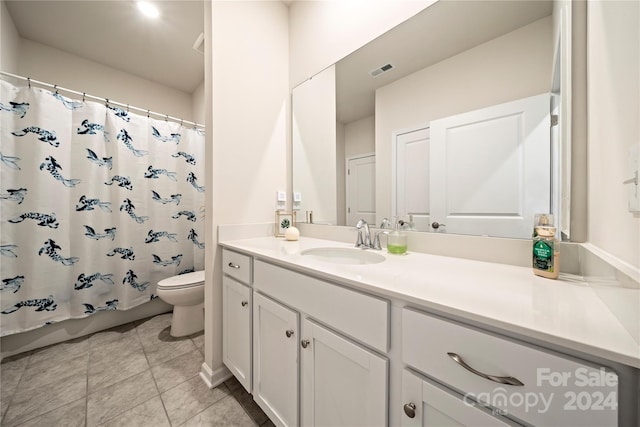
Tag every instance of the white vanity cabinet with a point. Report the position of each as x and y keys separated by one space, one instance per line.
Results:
x=314 y=347
x=236 y=315
x=428 y=404
x=527 y=383
x=275 y=360
x=341 y=382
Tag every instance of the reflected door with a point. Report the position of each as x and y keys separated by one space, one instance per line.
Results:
x=490 y=169
x=412 y=177
x=361 y=189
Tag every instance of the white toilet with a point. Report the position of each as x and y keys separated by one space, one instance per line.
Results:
x=186 y=293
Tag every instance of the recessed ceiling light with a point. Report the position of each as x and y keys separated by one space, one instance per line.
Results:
x=148 y=9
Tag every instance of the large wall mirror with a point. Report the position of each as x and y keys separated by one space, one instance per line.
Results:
x=448 y=117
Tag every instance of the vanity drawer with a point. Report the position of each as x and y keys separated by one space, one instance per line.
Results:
x=237 y=266
x=362 y=317
x=555 y=390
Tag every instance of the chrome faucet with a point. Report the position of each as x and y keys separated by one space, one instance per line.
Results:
x=376 y=240
x=364 y=243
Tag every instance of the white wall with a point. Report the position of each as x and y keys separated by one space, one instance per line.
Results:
x=247 y=161
x=323 y=32
x=509 y=67
x=9 y=42
x=360 y=137
x=355 y=138
x=198 y=105
x=50 y=65
x=341 y=192
x=314 y=142
x=613 y=124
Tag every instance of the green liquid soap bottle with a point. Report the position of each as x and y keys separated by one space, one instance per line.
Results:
x=397 y=240
x=546 y=255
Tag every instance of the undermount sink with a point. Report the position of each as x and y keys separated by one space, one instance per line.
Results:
x=343 y=255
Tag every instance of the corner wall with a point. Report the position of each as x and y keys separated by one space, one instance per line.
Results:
x=54 y=66
x=247 y=159
x=613 y=91
x=9 y=41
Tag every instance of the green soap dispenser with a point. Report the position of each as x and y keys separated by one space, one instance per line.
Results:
x=397 y=239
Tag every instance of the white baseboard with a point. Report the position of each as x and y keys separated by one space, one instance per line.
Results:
x=214 y=378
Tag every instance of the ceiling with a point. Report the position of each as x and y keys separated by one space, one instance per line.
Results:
x=116 y=34
x=444 y=29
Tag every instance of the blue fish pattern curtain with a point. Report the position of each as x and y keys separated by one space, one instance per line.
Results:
x=98 y=205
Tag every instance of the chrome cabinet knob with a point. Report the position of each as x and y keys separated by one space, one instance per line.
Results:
x=244 y=303
x=305 y=343
x=289 y=333
x=436 y=225
x=232 y=265
x=410 y=409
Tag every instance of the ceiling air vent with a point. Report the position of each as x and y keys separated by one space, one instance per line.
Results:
x=380 y=70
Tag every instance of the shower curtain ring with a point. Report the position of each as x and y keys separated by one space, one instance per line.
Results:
x=106 y=102
x=166 y=118
x=29 y=82
x=83 y=95
x=127 y=108
x=56 y=88
x=147 y=114
x=181 y=122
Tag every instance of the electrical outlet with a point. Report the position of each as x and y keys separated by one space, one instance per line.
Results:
x=281 y=200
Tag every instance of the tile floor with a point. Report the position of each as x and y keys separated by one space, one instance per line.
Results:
x=132 y=375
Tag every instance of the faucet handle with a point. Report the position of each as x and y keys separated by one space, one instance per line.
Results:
x=385 y=223
x=359 y=242
x=366 y=241
x=376 y=240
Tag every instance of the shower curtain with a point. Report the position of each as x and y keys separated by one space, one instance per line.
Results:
x=98 y=205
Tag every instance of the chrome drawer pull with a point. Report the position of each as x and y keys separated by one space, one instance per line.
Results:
x=501 y=380
x=244 y=303
x=232 y=265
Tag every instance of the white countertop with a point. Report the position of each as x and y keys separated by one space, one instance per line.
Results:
x=564 y=313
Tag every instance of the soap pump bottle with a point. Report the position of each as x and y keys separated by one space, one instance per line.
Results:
x=397 y=239
x=546 y=254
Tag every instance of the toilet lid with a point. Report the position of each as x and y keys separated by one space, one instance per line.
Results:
x=182 y=280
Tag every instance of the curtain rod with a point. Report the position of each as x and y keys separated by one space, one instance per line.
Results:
x=97 y=98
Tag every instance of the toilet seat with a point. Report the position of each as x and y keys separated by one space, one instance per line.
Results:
x=182 y=281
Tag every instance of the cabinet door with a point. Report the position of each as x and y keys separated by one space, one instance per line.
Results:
x=275 y=360
x=342 y=383
x=236 y=334
x=426 y=404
